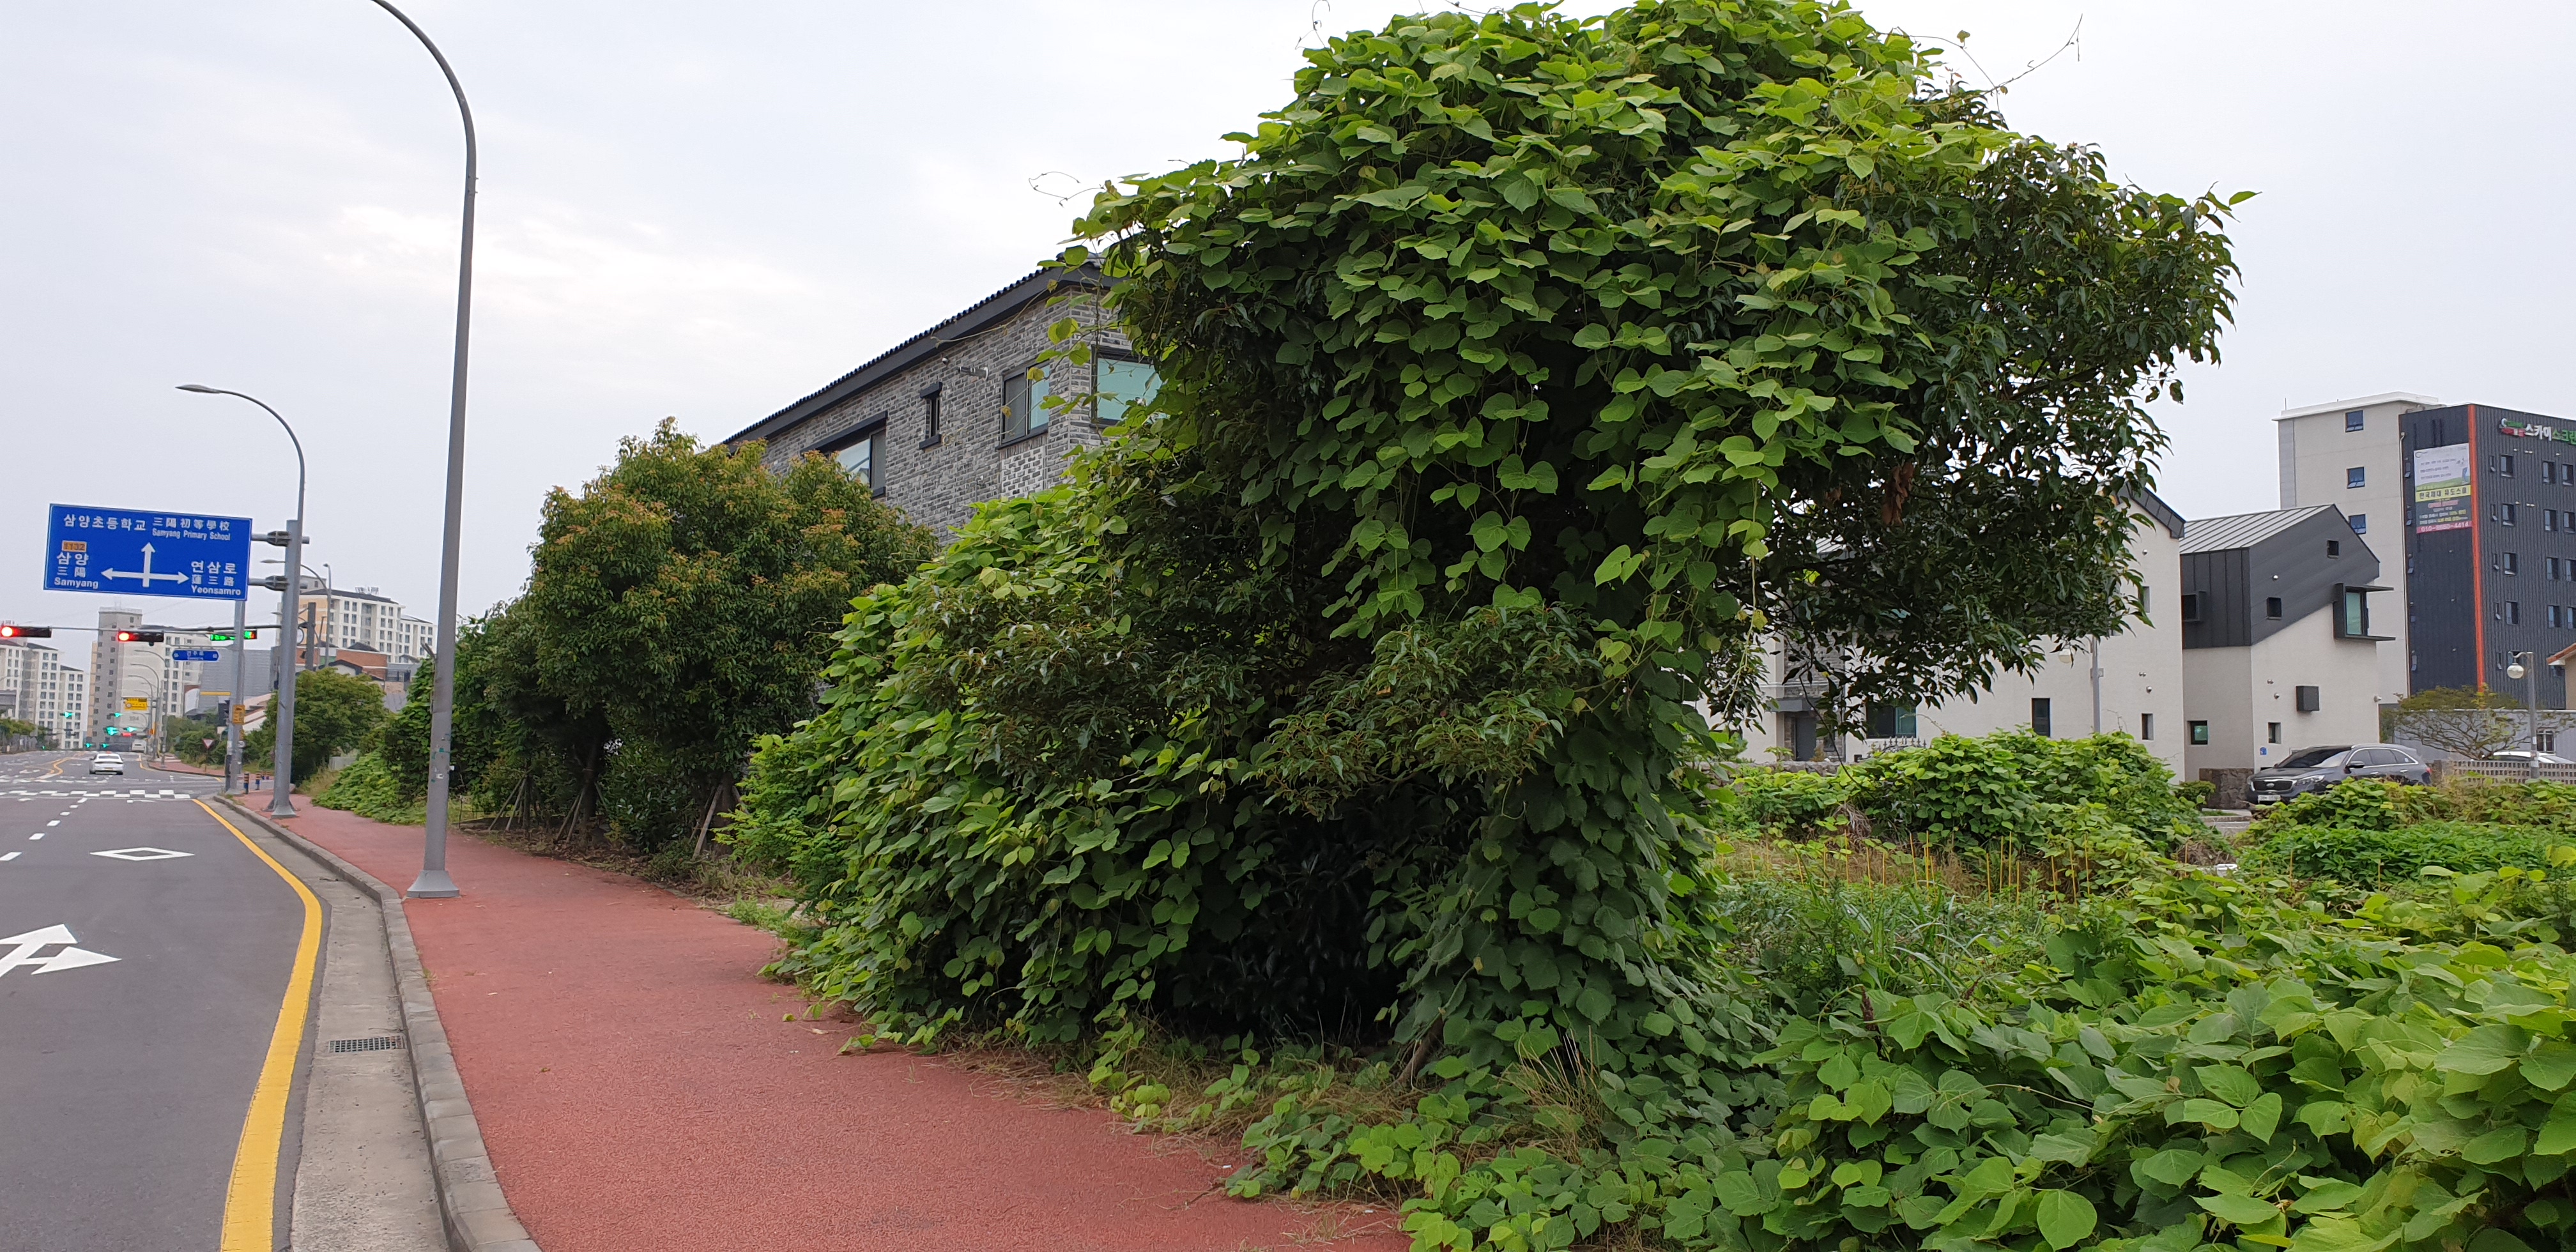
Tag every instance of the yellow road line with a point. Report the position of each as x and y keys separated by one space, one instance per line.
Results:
x=250 y=1204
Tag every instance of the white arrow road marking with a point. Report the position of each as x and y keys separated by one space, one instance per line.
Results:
x=147 y=577
x=23 y=950
x=142 y=854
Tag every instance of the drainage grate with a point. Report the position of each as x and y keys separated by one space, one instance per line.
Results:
x=379 y=1044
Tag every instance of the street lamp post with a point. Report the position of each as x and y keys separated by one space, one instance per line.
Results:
x=433 y=880
x=280 y=803
x=2530 y=676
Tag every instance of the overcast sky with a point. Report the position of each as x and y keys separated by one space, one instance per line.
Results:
x=706 y=210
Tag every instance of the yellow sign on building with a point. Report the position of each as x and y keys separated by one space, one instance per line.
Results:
x=137 y=704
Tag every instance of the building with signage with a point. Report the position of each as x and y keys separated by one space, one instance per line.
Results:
x=959 y=414
x=2279 y=649
x=2490 y=547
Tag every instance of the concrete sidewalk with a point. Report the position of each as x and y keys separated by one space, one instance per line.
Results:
x=637 y=1089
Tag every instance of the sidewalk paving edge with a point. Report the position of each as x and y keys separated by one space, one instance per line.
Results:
x=470 y=1204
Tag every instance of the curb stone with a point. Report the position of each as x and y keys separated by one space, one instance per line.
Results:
x=470 y=1203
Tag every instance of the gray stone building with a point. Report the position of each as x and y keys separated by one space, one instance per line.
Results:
x=951 y=418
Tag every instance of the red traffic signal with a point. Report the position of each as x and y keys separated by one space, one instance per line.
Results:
x=9 y=631
x=139 y=636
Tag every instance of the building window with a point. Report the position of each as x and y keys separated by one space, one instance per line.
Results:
x=2554 y=623
x=1122 y=385
x=2334 y=547
x=2272 y=607
x=1890 y=721
x=2147 y=727
x=2355 y=477
x=2307 y=700
x=1023 y=405
x=2546 y=741
x=2361 y=523
x=2352 y=420
x=2272 y=732
x=930 y=397
x=2549 y=519
x=2508 y=563
x=2501 y=513
x=2199 y=732
x=2039 y=717
x=861 y=456
x=2549 y=471
x=2554 y=569
x=2191 y=608
x=2356 y=615
x=2509 y=612
x=2504 y=465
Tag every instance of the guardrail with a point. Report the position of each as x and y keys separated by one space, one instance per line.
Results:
x=2504 y=771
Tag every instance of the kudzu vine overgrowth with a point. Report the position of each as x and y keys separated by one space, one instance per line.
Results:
x=1523 y=375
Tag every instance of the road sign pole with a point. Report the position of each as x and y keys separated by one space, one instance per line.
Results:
x=232 y=717
x=281 y=707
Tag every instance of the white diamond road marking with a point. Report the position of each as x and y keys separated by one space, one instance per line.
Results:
x=24 y=952
x=142 y=854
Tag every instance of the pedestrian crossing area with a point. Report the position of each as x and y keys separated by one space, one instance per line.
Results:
x=130 y=795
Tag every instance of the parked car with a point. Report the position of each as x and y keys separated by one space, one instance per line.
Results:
x=107 y=763
x=2522 y=756
x=2316 y=769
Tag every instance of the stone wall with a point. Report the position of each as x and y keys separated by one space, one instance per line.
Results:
x=939 y=484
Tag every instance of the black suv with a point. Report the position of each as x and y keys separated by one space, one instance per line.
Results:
x=2316 y=769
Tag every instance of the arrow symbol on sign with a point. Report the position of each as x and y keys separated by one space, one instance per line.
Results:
x=146 y=577
x=23 y=949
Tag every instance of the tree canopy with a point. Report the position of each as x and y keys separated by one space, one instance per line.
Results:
x=677 y=608
x=335 y=711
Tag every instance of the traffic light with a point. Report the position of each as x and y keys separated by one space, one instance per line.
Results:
x=226 y=636
x=139 y=636
x=8 y=631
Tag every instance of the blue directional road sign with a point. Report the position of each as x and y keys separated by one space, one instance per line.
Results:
x=187 y=556
x=196 y=654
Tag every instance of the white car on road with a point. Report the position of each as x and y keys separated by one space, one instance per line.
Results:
x=107 y=763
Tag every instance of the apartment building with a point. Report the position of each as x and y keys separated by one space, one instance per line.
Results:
x=2352 y=454
x=951 y=417
x=39 y=688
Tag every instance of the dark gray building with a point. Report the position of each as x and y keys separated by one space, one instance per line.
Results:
x=2490 y=546
x=2278 y=650
x=951 y=418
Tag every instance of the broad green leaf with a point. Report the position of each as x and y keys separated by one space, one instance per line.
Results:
x=2502 y=1144
x=2240 y=1210
x=2557 y=1137
x=2208 y=1113
x=2550 y=1065
x=2484 y=1050
x=2172 y=1167
x=2330 y=1196
x=2228 y=1082
x=2065 y=1218
x=2262 y=1116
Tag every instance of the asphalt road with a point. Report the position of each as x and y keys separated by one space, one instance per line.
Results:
x=124 y=1083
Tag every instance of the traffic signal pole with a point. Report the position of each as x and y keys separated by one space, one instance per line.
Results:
x=233 y=707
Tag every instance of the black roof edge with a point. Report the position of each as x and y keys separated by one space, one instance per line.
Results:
x=2154 y=506
x=982 y=314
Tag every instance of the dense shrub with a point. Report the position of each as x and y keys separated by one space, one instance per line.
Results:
x=2369 y=857
x=2008 y=789
x=370 y=788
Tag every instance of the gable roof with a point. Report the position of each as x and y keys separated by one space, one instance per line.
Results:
x=978 y=317
x=2244 y=530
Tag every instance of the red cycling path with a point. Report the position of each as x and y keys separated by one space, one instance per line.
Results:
x=637 y=1089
